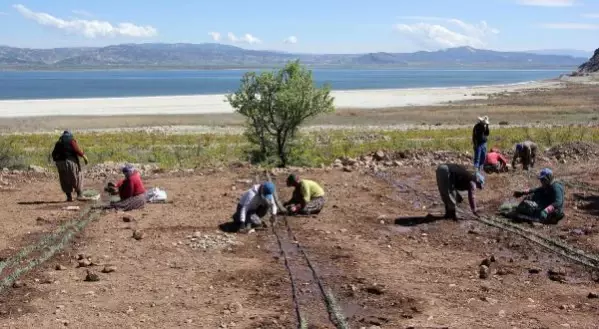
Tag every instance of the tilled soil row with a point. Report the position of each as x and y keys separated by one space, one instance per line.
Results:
x=314 y=296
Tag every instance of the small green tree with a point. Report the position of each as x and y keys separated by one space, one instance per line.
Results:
x=275 y=104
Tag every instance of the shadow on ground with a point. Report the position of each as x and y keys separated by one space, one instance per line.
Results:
x=417 y=220
x=591 y=203
x=33 y=203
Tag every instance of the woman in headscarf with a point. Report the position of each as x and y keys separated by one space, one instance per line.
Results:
x=131 y=191
x=66 y=155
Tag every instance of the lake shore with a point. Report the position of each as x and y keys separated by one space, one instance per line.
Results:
x=215 y=104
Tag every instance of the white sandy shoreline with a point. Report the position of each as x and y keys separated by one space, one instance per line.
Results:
x=215 y=104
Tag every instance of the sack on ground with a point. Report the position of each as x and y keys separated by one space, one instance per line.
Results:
x=156 y=195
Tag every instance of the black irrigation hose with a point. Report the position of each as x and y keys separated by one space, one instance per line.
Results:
x=301 y=321
x=548 y=243
x=334 y=311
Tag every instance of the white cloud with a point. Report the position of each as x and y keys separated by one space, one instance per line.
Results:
x=570 y=26
x=292 y=39
x=247 y=38
x=592 y=15
x=435 y=36
x=89 y=28
x=215 y=36
x=548 y=3
x=80 y=12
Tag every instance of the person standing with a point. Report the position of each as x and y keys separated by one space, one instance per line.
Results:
x=66 y=155
x=480 y=135
x=452 y=178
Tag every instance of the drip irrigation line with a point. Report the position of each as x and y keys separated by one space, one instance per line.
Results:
x=335 y=312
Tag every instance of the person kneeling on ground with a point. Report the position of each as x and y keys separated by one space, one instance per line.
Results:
x=131 y=190
x=66 y=155
x=307 y=199
x=452 y=178
x=255 y=204
x=495 y=162
x=545 y=203
x=527 y=152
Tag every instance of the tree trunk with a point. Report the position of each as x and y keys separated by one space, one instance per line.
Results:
x=281 y=149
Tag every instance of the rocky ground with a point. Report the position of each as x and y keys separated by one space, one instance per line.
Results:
x=169 y=265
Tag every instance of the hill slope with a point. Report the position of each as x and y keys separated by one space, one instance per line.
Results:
x=592 y=65
x=218 y=55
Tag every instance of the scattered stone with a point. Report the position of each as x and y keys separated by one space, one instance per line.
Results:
x=503 y=271
x=109 y=269
x=375 y=290
x=138 y=235
x=37 y=169
x=486 y=262
x=128 y=219
x=534 y=270
x=18 y=284
x=593 y=295
x=558 y=275
x=85 y=262
x=347 y=169
x=59 y=267
x=211 y=241
x=81 y=256
x=483 y=272
x=379 y=155
x=92 y=277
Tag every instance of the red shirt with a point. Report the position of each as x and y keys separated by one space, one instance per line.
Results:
x=130 y=187
x=495 y=157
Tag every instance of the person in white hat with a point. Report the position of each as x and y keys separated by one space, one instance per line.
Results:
x=480 y=134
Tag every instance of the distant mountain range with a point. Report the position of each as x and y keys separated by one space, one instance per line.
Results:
x=563 y=52
x=213 y=55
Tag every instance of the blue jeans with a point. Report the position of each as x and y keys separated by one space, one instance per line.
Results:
x=480 y=154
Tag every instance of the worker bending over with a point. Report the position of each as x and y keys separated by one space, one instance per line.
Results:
x=452 y=178
x=527 y=153
x=495 y=162
x=255 y=204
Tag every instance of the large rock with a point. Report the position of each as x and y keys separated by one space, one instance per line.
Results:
x=592 y=65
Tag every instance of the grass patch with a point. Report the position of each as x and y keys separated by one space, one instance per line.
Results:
x=312 y=149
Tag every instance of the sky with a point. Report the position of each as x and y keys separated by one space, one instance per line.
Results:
x=308 y=26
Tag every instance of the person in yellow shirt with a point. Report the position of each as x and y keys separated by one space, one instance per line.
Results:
x=307 y=199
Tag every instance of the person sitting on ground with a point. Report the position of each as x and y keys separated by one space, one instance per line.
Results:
x=131 y=191
x=452 y=178
x=307 y=199
x=545 y=203
x=495 y=162
x=66 y=155
x=255 y=204
x=480 y=135
x=527 y=153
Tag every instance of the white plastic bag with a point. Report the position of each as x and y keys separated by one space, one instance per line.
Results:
x=156 y=195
